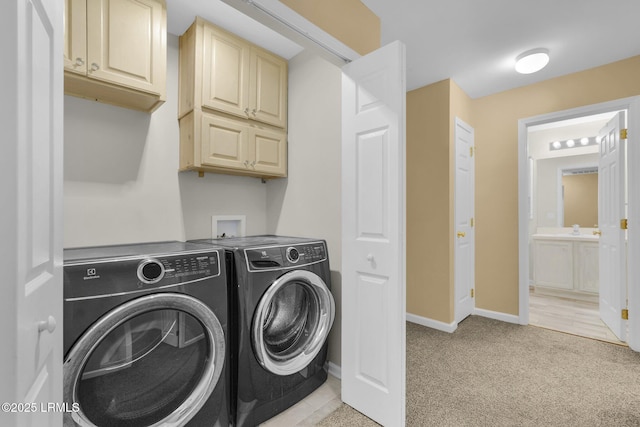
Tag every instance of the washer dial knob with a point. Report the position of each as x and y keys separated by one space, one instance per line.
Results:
x=150 y=271
x=293 y=255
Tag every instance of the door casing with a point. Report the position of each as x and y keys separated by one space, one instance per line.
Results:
x=632 y=105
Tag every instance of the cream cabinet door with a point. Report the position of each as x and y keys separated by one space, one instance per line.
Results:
x=268 y=88
x=223 y=143
x=75 y=36
x=112 y=28
x=268 y=152
x=225 y=80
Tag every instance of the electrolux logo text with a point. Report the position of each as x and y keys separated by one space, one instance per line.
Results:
x=92 y=273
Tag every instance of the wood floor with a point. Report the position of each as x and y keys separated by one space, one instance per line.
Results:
x=571 y=316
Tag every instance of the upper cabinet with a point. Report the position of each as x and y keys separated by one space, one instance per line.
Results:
x=232 y=104
x=229 y=74
x=116 y=51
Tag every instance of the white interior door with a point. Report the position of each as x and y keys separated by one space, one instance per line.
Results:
x=611 y=188
x=373 y=229
x=464 y=278
x=31 y=218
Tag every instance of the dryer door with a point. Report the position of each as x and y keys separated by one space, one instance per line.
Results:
x=152 y=361
x=292 y=322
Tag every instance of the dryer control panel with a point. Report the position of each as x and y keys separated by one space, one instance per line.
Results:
x=283 y=257
x=94 y=278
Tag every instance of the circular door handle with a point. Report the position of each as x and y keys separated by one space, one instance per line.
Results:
x=95 y=67
x=79 y=62
x=48 y=325
x=370 y=257
x=246 y=111
x=253 y=112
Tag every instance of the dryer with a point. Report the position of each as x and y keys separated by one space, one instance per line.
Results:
x=145 y=336
x=284 y=312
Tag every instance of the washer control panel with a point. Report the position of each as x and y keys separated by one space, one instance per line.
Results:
x=281 y=257
x=116 y=276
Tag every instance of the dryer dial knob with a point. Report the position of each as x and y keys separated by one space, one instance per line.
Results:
x=293 y=255
x=150 y=271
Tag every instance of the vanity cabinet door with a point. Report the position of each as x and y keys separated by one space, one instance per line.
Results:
x=553 y=264
x=587 y=266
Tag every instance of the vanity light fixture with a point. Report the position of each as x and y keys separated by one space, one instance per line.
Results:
x=571 y=143
x=532 y=61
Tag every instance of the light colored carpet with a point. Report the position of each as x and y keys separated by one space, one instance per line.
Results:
x=491 y=373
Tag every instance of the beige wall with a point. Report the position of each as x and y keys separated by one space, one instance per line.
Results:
x=428 y=210
x=431 y=113
x=580 y=200
x=307 y=203
x=495 y=119
x=349 y=21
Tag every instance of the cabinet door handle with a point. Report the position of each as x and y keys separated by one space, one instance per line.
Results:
x=253 y=112
x=246 y=163
x=79 y=62
x=246 y=111
x=253 y=164
x=461 y=234
x=95 y=67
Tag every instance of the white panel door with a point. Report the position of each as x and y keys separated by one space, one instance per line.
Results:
x=464 y=278
x=31 y=222
x=611 y=188
x=373 y=229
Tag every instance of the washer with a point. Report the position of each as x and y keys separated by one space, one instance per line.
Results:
x=145 y=336
x=284 y=312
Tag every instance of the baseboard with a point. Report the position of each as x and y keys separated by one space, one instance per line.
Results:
x=430 y=323
x=335 y=370
x=509 y=318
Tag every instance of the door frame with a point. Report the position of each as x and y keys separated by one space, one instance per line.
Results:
x=632 y=105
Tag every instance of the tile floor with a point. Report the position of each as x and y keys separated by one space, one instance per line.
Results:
x=311 y=409
x=571 y=316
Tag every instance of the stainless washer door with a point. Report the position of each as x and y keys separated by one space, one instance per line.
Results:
x=292 y=322
x=152 y=361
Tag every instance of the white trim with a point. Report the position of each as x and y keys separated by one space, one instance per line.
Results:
x=335 y=370
x=433 y=324
x=504 y=317
x=282 y=19
x=632 y=105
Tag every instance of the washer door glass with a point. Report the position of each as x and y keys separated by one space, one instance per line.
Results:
x=152 y=361
x=292 y=322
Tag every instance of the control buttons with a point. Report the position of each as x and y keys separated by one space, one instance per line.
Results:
x=293 y=255
x=150 y=271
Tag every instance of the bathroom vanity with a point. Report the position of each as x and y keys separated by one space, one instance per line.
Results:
x=566 y=265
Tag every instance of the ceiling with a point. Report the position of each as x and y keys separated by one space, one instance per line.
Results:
x=473 y=42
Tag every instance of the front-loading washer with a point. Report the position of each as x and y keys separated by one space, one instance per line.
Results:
x=145 y=336
x=284 y=311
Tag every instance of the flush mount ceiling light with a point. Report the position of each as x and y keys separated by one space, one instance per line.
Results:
x=532 y=61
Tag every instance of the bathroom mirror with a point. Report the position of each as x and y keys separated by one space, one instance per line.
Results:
x=580 y=197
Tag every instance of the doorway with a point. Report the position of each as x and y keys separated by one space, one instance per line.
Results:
x=632 y=303
x=563 y=226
